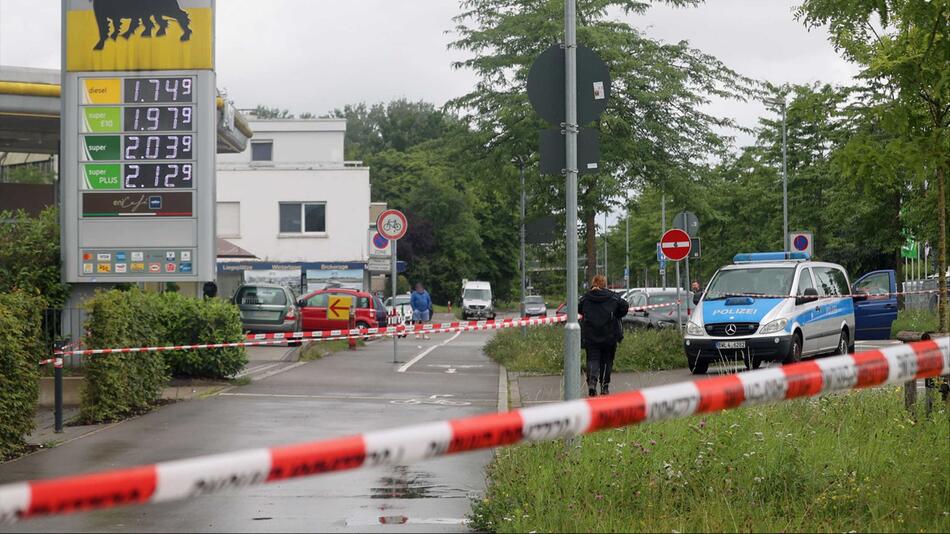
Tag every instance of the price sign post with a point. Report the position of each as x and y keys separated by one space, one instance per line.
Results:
x=393 y=225
x=139 y=140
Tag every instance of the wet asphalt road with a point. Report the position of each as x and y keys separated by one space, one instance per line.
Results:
x=343 y=394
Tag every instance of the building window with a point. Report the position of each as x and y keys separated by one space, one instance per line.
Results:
x=303 y=217
x=262 y=151
x=229 y=219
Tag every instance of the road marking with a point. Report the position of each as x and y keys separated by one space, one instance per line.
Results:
x=454 y=402
x=426 y=352
x=250 y=371
x=278 y=371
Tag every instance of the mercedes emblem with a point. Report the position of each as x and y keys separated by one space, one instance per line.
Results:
x=731 y=330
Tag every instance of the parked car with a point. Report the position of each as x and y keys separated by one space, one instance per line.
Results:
x=534 y=306
x=403 y=308
x=782 y=306
x=660 y=317
x=267 y=308
x=477 y=302
x=370 y=311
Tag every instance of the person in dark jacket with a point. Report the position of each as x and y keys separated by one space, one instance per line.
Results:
x=601 y=331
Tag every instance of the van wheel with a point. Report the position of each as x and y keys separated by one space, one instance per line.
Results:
x=795 y=355
x=697 y=366
x=844 y=344
x=362 y=325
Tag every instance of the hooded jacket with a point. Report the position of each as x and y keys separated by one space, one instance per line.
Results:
x=602 y=310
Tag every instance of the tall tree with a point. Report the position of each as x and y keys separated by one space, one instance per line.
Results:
x=903 y=48
x=654 y=129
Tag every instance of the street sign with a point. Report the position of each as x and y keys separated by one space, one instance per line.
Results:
x=659 y=253
x=696 y=253
x=802 y=242
x=378 y=265
x=392 y=225
x=138 y=142
x=379 y=246
x=687 y=221
x=546 y=85
x=553 y=155
x=338 y=308
x=676 y=244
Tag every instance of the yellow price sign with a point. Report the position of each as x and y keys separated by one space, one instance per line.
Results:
x=339 y=308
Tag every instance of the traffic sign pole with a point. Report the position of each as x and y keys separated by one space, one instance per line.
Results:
x=395 y=286
x=572 y=330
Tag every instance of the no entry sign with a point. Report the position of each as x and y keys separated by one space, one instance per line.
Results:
x=676 y=245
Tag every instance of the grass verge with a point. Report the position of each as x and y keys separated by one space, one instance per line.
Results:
x=850 y=462
x=542 y=351
x=316 y=350
x=914 y=321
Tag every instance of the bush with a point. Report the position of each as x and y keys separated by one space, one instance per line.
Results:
x=121 y=385
x=20 y=350
x=29 y=255
x=914 y=321
x=192 y=322
x=542 y=351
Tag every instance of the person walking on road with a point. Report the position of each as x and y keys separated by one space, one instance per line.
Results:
x=421 y=304
x=601 y=331
x=696 y=291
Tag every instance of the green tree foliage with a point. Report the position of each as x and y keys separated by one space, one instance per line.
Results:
x=654 y=130
x=264 y=112
x=29 y=174
x=903 y=50
x=19 y=346
x=29 y=255
x=462 y=216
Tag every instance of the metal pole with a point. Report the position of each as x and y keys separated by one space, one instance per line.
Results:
x=572 y=330
x=605 y=248
x=395 y=286
x=679 y=307
x=58 y=395
x=663 y=231
x=626 y=270
x=524 y=265
x=784 y=175
x=688 y=283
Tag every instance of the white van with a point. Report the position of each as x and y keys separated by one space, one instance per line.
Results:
x=805 y=309
x=477 y=302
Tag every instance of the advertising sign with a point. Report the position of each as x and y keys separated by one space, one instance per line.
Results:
x=138 y=140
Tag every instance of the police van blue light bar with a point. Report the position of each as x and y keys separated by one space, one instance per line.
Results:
x=754 y=257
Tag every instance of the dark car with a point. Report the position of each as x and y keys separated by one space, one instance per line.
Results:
x=534 y=306
x=267 y=308
x=664 y=317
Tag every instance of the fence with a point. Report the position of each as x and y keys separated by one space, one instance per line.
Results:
x=917 y=299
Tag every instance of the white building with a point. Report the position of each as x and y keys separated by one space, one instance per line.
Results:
x=292 y=201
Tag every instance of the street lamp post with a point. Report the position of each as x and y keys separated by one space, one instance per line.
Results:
x=524 y=265
x=572 y=329
x=780 y=101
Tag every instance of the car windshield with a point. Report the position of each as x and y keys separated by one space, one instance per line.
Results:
x=533 y=300
x=402 y=300
x=262 y=296
x=752 y=280
x=662 y=299
x=477 y=294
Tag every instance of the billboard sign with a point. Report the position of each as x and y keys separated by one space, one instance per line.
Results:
x=138 y=140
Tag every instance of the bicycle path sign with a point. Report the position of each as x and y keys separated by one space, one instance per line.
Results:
x=392 y=224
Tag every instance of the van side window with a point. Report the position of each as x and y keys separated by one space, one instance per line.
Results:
x=875 y=284
x=831 y=282
x=318 y=301
x=805 y=282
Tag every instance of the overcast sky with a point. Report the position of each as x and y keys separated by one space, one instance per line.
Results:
x=316 y=55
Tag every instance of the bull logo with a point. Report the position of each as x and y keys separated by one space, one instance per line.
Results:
x=111 y=13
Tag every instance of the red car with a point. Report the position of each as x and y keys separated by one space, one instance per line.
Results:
x=370 y=310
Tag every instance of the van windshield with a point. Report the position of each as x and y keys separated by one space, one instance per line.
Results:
x=477 y=294
x=752 y=281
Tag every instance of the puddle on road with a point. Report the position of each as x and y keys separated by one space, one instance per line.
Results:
x=406 y=483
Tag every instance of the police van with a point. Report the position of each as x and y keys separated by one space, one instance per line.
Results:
x=779 y=306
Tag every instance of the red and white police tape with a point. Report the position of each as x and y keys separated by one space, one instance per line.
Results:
x=254 y=340
x=184 y=479
x=869 y=295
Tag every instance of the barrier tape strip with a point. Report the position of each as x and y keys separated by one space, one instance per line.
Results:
x=333 y=335
x=326 y=335
x=184 y=479
x=869 y=295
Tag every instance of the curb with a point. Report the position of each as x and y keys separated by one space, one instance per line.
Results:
x=515 y=389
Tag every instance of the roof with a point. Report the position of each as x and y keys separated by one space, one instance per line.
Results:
x=227 y=249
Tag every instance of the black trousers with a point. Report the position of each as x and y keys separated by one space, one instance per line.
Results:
x=600 y=363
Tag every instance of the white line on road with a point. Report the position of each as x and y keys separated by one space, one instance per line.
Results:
x=250 y=371
x=461 y=402
x=426 y=352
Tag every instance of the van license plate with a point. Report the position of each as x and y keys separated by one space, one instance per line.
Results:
x=730 y=345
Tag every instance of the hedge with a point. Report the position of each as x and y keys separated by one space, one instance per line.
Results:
x=121 y=385
x=20 y=350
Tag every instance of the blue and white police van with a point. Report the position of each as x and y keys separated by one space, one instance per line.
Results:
x=779 y=306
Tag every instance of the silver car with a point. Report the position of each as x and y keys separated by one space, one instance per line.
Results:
x=534 y=306
x=267 y=308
